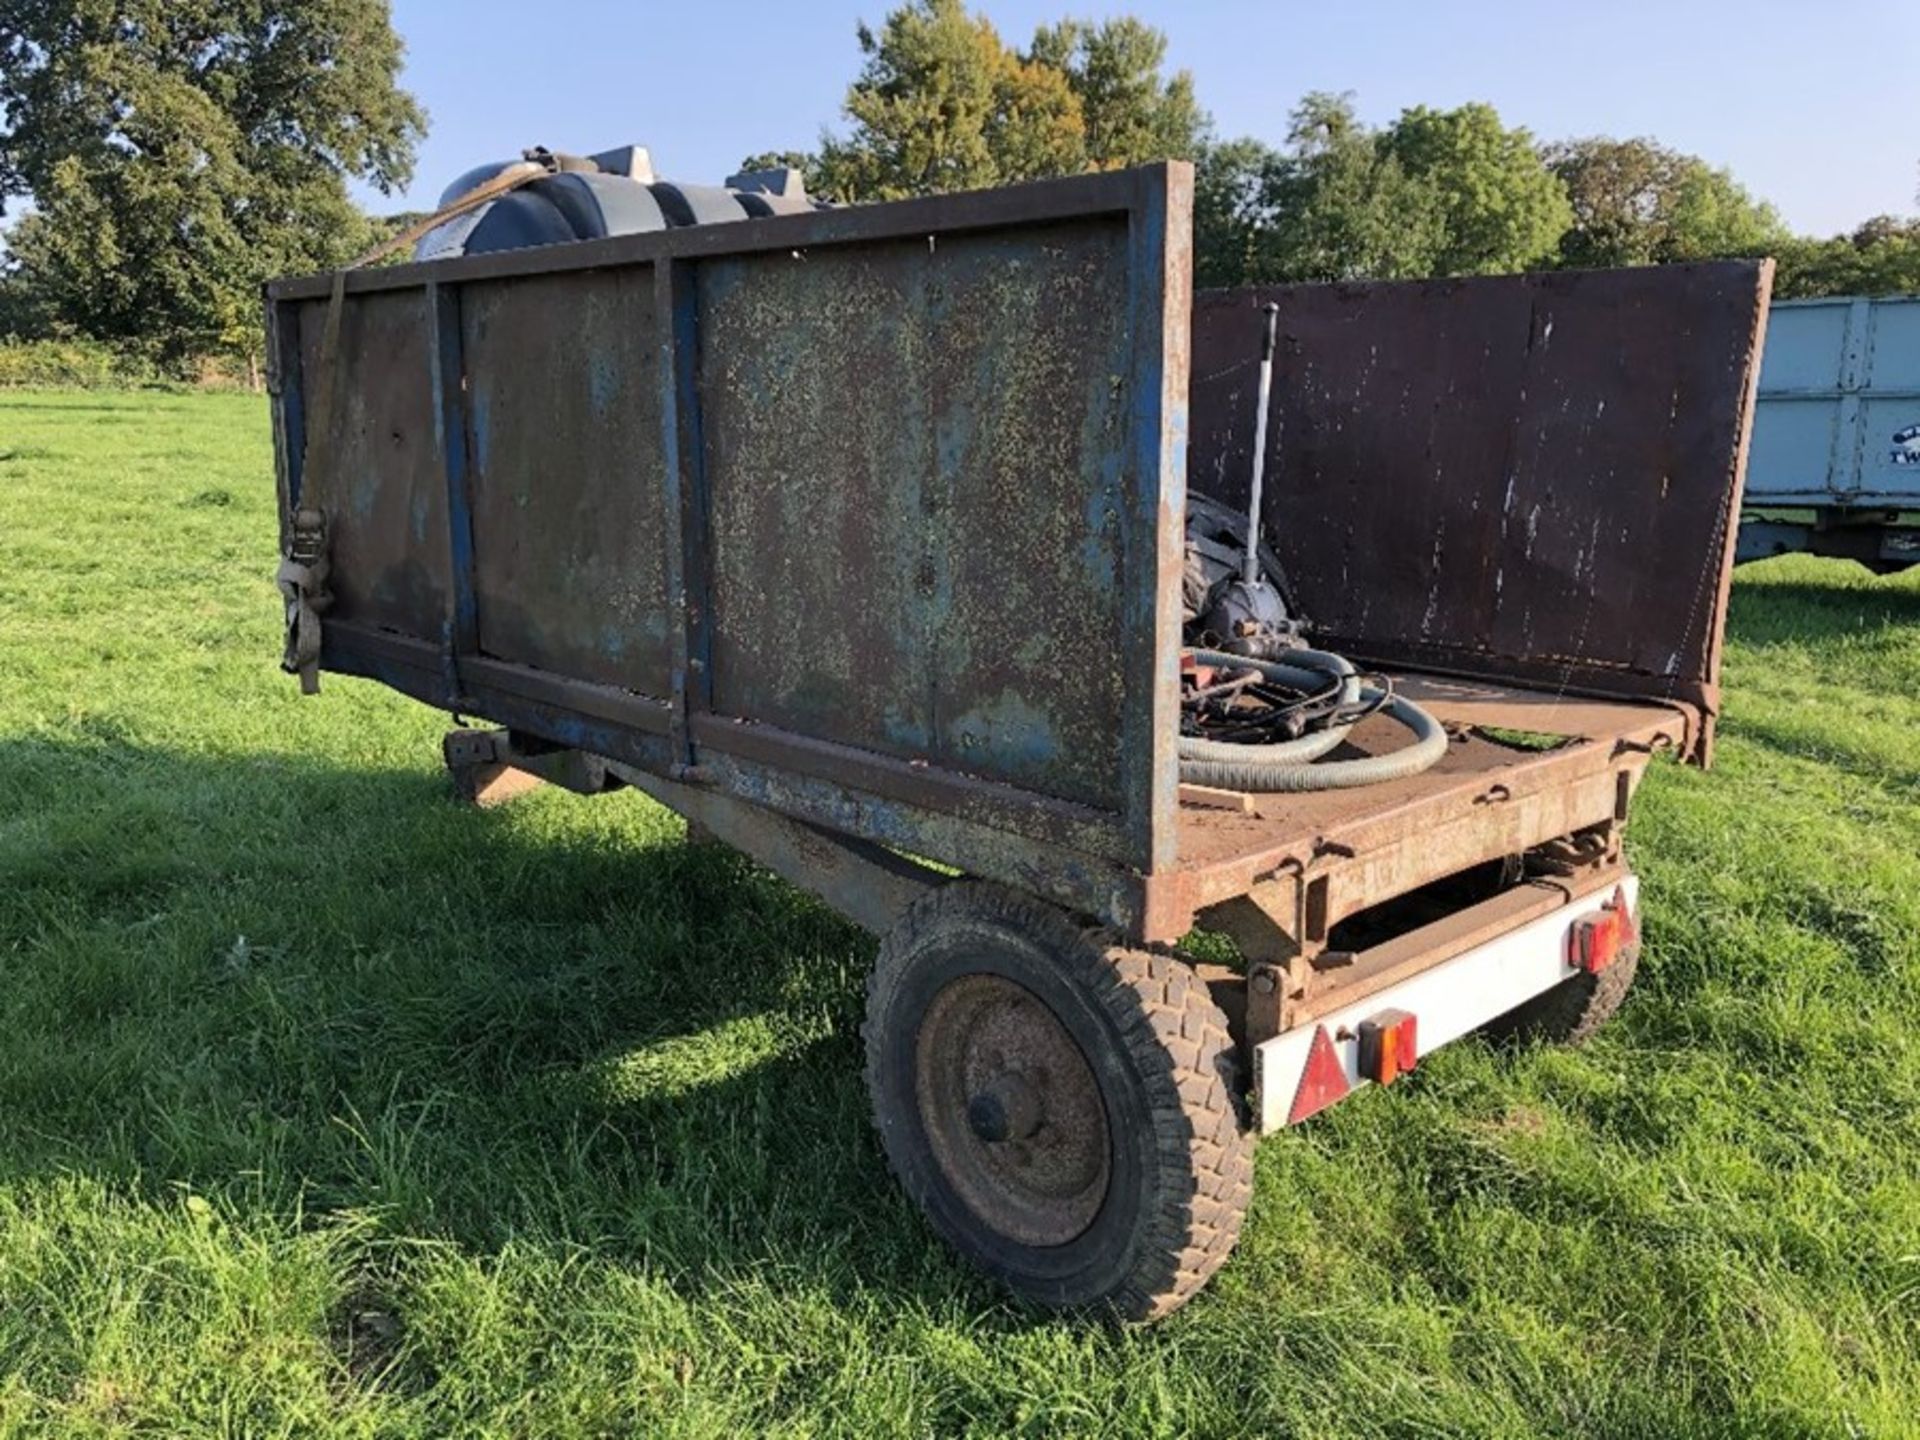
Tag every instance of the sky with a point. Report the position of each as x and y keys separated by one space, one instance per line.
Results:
x=1811 y=105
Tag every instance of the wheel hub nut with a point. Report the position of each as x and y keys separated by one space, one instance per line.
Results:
x=1008 y=1108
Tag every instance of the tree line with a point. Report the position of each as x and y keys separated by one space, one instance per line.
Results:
x=942 y=103
x=179 y=152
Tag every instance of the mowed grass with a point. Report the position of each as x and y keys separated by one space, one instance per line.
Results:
x=330 y=1108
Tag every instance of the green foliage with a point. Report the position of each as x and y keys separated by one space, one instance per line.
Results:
x=780 y=160
x=1345 y=205
x=1131 y=114
x=72 y=364
x=1498 y=206
x=1636 y=202
x=1436 y=193
x=1714 y=217
x=1882 y=257
x=179 y=152
x=1233 y=210
x=942 y=103
x=330 y=1109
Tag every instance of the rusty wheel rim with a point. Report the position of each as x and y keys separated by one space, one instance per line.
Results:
x=1012 y=1111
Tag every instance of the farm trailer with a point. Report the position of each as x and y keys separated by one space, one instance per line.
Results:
x=1836 y=433
x=856 y=537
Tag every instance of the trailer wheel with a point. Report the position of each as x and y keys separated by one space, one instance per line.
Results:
x=1062 y=1109
x=1571 y=1011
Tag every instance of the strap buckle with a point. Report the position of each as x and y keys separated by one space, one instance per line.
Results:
x=302 y=578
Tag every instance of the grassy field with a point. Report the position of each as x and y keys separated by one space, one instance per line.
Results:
x=330 y=1108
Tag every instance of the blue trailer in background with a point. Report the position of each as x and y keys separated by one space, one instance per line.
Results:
x=1834 y=467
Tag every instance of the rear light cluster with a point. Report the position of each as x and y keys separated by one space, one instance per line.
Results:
x=1603 y=937
x=1389 y=1040
x=1389 y=1045
x=1389 y=1048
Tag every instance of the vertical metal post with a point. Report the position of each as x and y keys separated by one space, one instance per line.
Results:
x=1250 y=567
x=1855 y=363
x=449 y=386
x=1160 y=312
x=676 y=311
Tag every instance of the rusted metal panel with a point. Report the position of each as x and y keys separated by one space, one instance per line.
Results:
x=1115 y=192
x=679 y=486
x=1490 y=796
x=916 y=457
x=382 y=490
x=974 y=825
x=1160 y=304
x=1522 y=477
x=287 y=407
x=567 y=479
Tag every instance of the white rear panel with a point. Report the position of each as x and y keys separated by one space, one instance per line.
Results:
x=1448 y=1001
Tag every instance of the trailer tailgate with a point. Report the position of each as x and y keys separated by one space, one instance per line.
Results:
x=1529 y=478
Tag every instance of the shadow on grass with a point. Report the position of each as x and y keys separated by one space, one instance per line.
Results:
x=307 y=989
x=1798 y=612
x=1826 y=747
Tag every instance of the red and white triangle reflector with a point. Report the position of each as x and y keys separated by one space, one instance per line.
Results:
x=1323 y=1081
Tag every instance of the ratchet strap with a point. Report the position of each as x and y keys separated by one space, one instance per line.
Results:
x=303 y=572
x=302 y=578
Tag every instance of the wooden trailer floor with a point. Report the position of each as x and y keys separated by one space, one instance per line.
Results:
x=1486 y=797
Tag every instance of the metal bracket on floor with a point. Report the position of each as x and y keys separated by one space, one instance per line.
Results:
x=489 y=768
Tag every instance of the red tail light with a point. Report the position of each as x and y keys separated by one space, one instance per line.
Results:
x=1389 y=1045
x=1601 y=938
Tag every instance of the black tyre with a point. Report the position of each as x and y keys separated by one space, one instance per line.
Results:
x=1571 y=1011
x=1064 y=1110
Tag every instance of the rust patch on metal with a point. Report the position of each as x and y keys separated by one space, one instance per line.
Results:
x=567 y=480
x=915 y=457
x=1012 y=1111
x=383 y=495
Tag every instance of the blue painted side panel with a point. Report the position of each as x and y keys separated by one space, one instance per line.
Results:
x=886 y=497
x=1838 y=417
x=916 y=457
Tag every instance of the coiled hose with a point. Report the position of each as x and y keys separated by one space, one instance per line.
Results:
x=1288 y=766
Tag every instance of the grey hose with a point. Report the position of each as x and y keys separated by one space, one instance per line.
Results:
x=1289 y=765
x=1302 y=670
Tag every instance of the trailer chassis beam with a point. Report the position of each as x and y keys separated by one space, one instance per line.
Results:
x=867 y=883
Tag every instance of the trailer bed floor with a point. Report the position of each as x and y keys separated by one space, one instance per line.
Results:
x=1488 y=794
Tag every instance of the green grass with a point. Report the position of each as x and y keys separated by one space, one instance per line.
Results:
x=330 y=1108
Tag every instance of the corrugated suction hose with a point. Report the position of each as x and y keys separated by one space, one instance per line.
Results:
x=1288 y=766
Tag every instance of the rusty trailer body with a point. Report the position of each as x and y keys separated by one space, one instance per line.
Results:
x=856 y=536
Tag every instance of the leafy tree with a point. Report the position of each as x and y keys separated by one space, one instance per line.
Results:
x=1129 y=114
x=23 y=314
x=178 y=152
x=1233 y=209
x=1622 y=196
x=1635 y=202
x=942 y=103
x=1501 y=209
x=1345 y=206
x=1433 y=195
x=780 y=160
x=1714 y=216
x=1882 y=257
